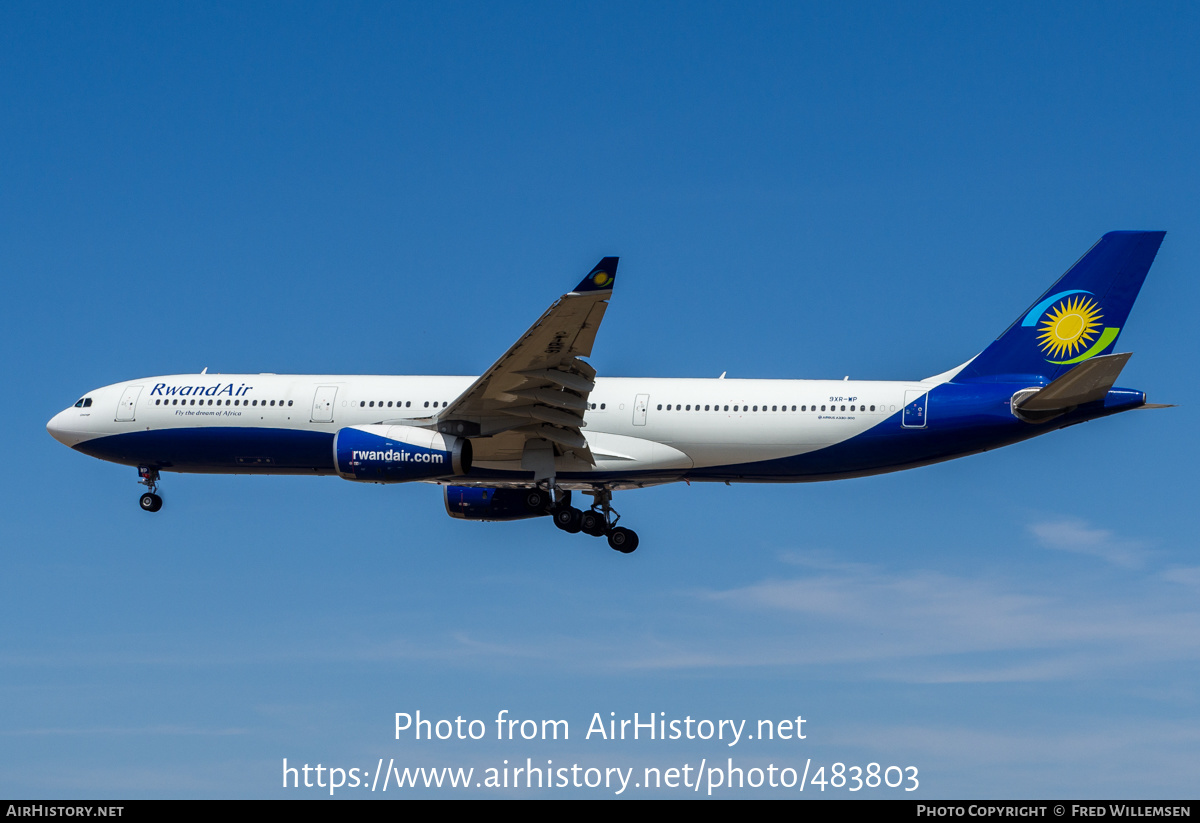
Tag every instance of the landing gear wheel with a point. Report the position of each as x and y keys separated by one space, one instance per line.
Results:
x=623 y=540
x=568 y=519
x=150 y=502
x=592 y=523
x=535 y=500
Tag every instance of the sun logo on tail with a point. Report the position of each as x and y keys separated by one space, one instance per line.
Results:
x=1069 y=327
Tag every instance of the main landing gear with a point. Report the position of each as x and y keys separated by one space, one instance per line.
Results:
x=598 y=521
x=150 y=501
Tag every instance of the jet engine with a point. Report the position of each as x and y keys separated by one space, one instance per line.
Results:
x=398 y=454
x=471 y=503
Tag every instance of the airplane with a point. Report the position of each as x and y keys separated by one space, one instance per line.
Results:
x=540 y=423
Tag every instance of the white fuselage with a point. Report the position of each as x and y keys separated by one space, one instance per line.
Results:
x=632 y=425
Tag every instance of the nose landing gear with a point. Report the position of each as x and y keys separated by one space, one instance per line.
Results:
x=150 y=501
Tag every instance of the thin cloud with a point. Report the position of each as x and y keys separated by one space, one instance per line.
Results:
x=1077 y=537
x=109 y=731
x=1185 y=575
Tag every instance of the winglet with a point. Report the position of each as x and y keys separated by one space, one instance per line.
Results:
x=600 y=278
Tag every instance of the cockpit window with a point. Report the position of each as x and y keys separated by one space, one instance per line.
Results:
x=79 y=404
x=83 y=403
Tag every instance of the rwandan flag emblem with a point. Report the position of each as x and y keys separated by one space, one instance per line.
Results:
x=1070 y=327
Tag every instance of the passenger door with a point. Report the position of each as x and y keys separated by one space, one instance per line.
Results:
x=640 y=404
x=916 y=409
x=322 y=409
x=127 y=409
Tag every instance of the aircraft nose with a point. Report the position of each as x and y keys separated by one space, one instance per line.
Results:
x=57 y=428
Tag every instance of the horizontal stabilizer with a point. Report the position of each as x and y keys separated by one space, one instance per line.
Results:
x=1086 y=383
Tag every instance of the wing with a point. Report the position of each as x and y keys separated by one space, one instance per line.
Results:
x=539 y=388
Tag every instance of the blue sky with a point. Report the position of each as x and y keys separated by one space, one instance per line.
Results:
x=795 y=191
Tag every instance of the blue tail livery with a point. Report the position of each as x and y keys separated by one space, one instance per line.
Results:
x=1078 y=318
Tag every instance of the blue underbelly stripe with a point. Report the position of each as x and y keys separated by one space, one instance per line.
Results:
x=217 y=448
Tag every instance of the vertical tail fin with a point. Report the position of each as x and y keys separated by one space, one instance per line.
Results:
x=1079 y=317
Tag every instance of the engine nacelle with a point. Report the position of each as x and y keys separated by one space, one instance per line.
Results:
x=471 y=503
x=398 y=454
